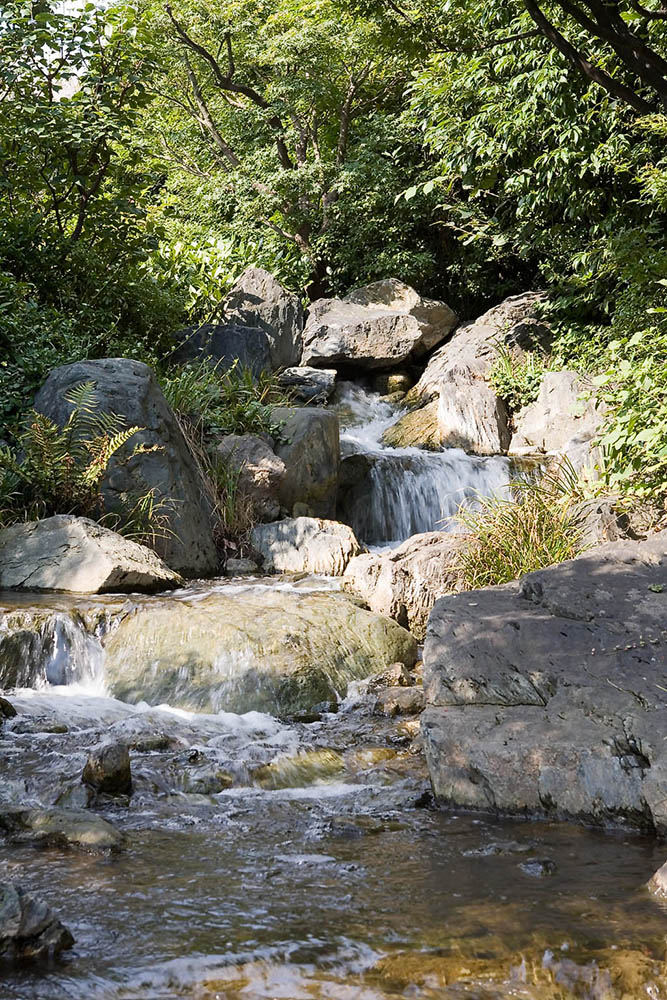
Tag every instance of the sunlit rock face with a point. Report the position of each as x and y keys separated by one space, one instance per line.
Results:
x=548 y=696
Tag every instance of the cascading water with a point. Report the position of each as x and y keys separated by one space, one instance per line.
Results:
x=404 y=491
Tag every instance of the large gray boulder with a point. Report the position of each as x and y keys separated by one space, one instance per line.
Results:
x=261 y=472
x=549 y=696
x=274 y=651
x=258 y=301
x=470 y=414
x=378 y=326
x=309 y=446
x=130 y=389
x=305 y=545
x=29 y=929
x=404 y=583
x=564 y=420
x=224 y=345
x=78 y=555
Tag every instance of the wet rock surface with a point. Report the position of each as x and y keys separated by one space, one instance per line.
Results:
x=549 y=696
x=108 y=769
x=309 y=447
x=29 y=929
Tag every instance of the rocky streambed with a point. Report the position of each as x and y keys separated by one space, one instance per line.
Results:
x=258 y=856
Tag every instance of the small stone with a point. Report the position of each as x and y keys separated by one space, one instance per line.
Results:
x=397 y=675
x=108 y=770
x=29 y=929
x=60 y=828
x=240 y=567
x=538 y=867
x=7 y=710
x=400 y=701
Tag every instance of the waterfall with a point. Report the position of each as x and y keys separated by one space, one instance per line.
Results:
x=400 y=492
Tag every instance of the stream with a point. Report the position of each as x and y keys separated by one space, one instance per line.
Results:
x=300 y=858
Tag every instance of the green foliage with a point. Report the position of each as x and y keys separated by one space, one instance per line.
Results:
x=634 y=386
x=224 y=402
x=517 y=380
x=58 y=470
x=541 y=524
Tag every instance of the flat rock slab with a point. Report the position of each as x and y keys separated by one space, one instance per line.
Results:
x=549 y=696
x=61 y=828
x=78 y=555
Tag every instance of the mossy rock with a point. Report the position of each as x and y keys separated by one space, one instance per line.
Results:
x=415 y=429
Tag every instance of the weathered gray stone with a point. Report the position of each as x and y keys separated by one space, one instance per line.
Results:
x=60 y=828
x=29 y=929
x=276 y=651
x=77 y=554
x=261 y=472
x=470 y=415
x=130 y=389
x=308 y=385
x=310 y=449
x=548 y=696
x=257 y=300
x=378 y=326
x=512 y=324
x=395 y=701
x=224 y=345
x=560 y=421
x=404 y=583
x=305 y=545
x=108 y=770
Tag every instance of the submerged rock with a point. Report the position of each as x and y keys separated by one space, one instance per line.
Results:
x=108 y=770
x=274 y=651
x=378 y=326
x=165 y=464
x=548 y=696
x=79 y=555
x=305 y=545
x=60 y=828
x=29 y=929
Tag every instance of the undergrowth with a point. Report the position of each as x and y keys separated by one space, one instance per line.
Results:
x=60 y=470
x=517 y=381
x=540 y=524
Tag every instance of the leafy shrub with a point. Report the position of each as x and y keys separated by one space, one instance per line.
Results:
x=634 y=386
x=60 y=470
x=516 y=381
x=539 y=525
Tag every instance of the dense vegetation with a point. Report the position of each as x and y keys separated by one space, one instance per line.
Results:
x=150 y=151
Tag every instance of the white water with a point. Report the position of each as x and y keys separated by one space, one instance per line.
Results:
x=409 y=490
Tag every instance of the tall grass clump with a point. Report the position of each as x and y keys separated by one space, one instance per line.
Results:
x=541 y=523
